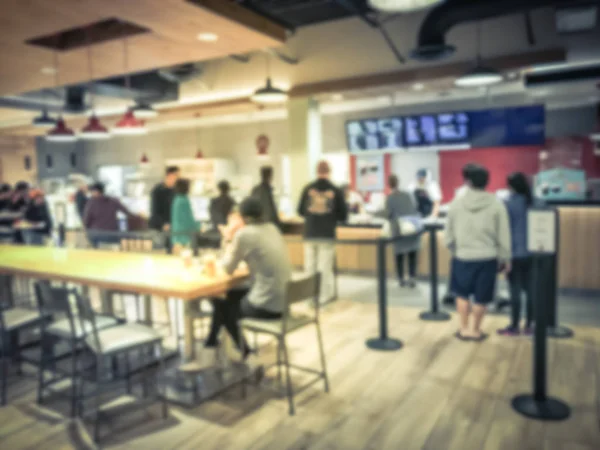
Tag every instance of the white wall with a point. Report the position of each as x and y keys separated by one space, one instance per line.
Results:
x=234 y=142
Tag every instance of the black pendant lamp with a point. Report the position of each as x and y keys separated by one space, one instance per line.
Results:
x=479 y=75
x=269 y=94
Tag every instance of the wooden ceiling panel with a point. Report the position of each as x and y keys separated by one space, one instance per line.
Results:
x=174 y=25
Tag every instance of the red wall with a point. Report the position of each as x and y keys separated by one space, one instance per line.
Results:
x=499 y=161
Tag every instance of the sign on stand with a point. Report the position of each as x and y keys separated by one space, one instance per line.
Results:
x=541 y=231
x=542 y=238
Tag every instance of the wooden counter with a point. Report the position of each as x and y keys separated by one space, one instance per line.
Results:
x=579 y=255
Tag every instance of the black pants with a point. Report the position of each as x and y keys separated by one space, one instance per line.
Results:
x=228 y=312
x=519 y=280
x=412 y=264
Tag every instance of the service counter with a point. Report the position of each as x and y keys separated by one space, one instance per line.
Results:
x=579 y=256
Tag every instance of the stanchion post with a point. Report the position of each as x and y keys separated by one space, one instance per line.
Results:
x=383 y=342
x=434 y=314
x=554 y=329
x=542 y=243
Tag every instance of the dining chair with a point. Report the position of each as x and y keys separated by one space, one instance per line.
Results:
x=298 y=291
x=116 y=342
x=66 y=327
x=13 y=320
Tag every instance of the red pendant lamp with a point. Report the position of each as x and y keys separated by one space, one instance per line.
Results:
x=60 y=132
x=144 y=160
x=199 y=154
x=129 y=125
x=94 y=129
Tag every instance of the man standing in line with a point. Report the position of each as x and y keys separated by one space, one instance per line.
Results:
x=161 y=199
x=100 y=217
x=478 y=235
x=322 y=205
x=264 y=193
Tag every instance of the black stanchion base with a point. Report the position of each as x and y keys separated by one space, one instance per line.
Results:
x=438 y=316
x=559 y=332
x=388 y=344
x=550 y=409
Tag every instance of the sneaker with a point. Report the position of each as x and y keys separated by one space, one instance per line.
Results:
x=528 y=331
x=402 y=283
x=509 y=331
x=411 y=283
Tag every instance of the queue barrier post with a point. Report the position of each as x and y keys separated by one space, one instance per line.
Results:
x=542 y=243
x=434 y=314
x=383 y=342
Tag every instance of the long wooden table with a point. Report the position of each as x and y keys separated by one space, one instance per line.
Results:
x=137 y=273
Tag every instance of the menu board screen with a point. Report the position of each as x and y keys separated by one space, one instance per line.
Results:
x=421 y=131
x=453 y=128
x=374 y=134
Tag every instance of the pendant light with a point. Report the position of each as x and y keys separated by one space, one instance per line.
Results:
x=269 y=95
x=479 y=75
x=199 y=154
x=144 y=160
x=143 y=110
x=60 y=132
x=129 y=124
x=402 y=6
x=44 y=120
x=94 y=130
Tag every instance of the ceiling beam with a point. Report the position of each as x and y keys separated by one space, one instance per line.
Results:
x=508 y=62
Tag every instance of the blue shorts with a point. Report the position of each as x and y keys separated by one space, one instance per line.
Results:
x=474 y=278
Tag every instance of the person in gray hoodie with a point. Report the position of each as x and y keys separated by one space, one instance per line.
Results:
x=478 y=235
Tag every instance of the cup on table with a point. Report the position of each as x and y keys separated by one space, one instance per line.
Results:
x=187 y=257
x=210 y=265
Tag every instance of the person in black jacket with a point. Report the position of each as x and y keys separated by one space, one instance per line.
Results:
x=221 y=206
x=81 y=199
x=264 y=193
x=38 y=217
x=323 y=206
x=161 y=199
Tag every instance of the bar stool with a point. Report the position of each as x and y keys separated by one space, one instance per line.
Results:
x=66 y=326
x=113 y=343
x=13 y=320
x=298 y=291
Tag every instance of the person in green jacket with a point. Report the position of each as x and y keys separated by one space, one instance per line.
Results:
x=183 y=224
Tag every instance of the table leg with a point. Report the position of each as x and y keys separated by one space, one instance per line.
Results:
x=106 y=300
x=188 y=332
x=147 y=299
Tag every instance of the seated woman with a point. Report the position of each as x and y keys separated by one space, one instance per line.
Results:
x=262 y=247
x=183 y=224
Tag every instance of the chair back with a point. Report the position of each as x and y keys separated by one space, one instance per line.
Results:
x=53 y=302
x=306 y=288
x=6 y=298
x=87 y=316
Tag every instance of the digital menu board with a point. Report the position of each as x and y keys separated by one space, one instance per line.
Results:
x=485 y=128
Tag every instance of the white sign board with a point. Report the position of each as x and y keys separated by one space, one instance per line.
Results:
x=541 y=231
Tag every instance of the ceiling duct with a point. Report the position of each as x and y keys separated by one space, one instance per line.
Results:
x=182 y=73
x=562 y=73
x=431 y=43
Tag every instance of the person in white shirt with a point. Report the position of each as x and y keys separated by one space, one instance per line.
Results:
x=428 y=194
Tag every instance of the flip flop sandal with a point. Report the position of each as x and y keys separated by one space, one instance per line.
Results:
x=459 y=336
x=481 y=338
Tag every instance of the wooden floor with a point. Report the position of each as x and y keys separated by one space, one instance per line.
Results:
x=436 y=393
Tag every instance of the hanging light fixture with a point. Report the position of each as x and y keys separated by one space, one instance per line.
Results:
x=44 y=120
x=144 y=160
x=199 y=154
x=129 y=124
x=60 y=132
x=269 y=95
x=94 y=129
x=479 y=75
x=143 y=110
x=402 y=5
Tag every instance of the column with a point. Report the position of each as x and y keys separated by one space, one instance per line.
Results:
x=304 y=120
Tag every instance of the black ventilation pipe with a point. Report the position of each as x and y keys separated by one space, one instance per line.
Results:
x=431 y=42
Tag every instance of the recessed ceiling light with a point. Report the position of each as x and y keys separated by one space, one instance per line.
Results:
x=48 y=70
x=418 y=86
x=337 y=97
x=207 y=37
